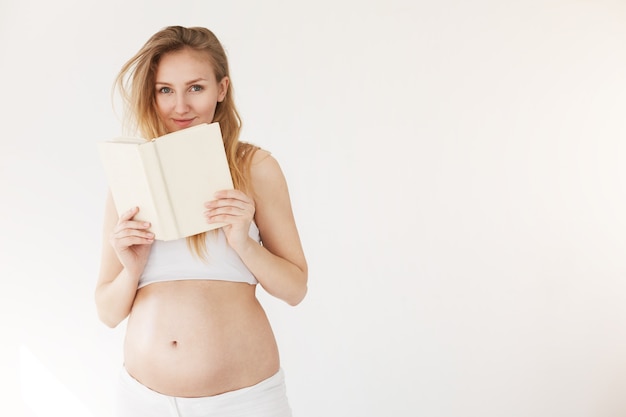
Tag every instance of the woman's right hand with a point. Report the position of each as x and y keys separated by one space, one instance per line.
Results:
x=132 y=241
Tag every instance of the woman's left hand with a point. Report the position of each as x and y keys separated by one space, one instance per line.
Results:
x=234 y=208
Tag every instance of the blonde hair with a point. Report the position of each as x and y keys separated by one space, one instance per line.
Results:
x=136 y=84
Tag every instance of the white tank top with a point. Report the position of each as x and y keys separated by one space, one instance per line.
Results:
x=173 y=261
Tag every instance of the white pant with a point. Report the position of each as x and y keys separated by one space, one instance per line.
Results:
x=268 y=398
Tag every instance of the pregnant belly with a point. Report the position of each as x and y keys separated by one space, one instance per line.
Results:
x=199 y=338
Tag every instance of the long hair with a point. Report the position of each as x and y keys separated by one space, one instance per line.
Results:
x=136 y=84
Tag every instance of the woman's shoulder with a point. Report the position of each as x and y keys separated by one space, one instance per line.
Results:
x=249 y=153
x=252 y=155
x=259 y=156
x=264 y=169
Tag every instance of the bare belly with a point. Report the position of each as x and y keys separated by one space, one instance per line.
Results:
x=199 y=338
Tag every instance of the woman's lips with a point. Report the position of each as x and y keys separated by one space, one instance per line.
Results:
x=182 y=122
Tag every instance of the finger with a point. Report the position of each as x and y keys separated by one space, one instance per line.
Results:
x=129 y=214
x=231 y=211
x=230 y=202
x=229 y=194
x=231 y=219
x=225 y=202
x=132 y=232
x=129 y=241
x=131 y=225
x=126 y=233
x=233 y=194
x=123 y=241
x=222 y=218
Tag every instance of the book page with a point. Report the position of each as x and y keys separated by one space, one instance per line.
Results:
x=127 y=180
x=137 y=141
x=165 y=219
x=194 y=166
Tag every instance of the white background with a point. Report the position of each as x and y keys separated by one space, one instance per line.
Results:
x=457 y=170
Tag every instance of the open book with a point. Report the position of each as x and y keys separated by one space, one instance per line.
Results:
x=169 y=178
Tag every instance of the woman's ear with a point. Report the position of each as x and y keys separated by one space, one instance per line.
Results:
x=222 y=89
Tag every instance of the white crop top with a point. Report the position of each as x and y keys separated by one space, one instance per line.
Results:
x=173 y=261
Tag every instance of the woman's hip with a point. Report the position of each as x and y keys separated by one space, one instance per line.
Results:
x=267 y=398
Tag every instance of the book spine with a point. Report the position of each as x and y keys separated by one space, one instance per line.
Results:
x=160 y=194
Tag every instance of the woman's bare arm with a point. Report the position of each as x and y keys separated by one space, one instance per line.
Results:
x=279 y=263
x=126 y=239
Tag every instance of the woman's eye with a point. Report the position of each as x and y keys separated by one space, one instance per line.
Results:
x=196 y=88
x=165 y=90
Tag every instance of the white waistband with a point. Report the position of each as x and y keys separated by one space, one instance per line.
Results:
x=267 y=398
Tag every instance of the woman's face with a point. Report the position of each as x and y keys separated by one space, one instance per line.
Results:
x=186 y=89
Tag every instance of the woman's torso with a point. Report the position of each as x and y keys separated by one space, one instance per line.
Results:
x=196 y=338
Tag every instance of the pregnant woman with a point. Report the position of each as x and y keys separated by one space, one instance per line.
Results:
x=198 y=342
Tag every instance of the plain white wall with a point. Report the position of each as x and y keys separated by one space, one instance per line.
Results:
x=457 y=173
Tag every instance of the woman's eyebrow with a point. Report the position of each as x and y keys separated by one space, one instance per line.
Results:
x=187 y=83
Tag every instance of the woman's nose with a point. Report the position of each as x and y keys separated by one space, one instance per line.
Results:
x=182 y=106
